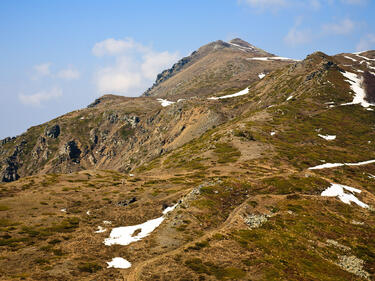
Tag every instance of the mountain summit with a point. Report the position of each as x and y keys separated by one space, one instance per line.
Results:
x=213 y=68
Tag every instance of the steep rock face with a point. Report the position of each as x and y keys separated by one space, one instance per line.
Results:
x=117 y=133
x=213 y=68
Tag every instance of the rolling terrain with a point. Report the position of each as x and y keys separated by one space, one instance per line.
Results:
x=236 y=165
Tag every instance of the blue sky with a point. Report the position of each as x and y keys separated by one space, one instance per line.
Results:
x=58 y=56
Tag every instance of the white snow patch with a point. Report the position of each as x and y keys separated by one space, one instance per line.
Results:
x=271 y=58
x=363 y=57
x=370 y=109
x=243 y=48
x=169 y=209
x=119 y=263
x=339 y=191
x=63 y=210
x=125 y=235
x=289 y=98
x=88 y=212
x=261 y=75
x=349 y=58
x=101 y=229
x=333 y=165
x=356 y=86
x=179 y=100
x=273 y=133
x=370 y=176
x=107 y=222
x=164 y=102
x=327 y=137
x=240 y=93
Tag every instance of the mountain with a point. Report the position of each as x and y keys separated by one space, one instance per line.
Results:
x=272 y=181
x=214 y=68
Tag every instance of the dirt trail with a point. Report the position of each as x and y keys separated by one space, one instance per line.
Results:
x=137 y=269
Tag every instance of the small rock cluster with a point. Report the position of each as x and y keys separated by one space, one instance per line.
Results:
x=353 y=265
x=255 y=221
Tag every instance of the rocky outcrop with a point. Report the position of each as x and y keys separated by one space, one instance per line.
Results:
x=53 y=131
x=72 y=151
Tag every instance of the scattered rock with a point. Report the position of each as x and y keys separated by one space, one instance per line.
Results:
x=127 y=202
x=353 y=265
x=255 y=221
x=337 y=245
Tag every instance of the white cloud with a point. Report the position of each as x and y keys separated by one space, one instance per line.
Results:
x=264 y=3
x=296 y=37
x=346 y=26
x=367 y=42
x=115 y=47
x=354 y=2
x=37 y=98
x=42 y=70
x=69 y=74
x=134 y=69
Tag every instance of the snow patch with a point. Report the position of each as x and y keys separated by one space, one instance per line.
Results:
x=338 y=190
x=128 y=234
x=164 y=102
x=356 y=86
x=119 y=263
x=273 y=133
x=327 y=137
x=333 y=165
x=289 y=98
x=271 y=58
x=240 y=93
x=88 y=212
x=261 y=75
x=63 y=210
x=101 y=229
x=347 y=57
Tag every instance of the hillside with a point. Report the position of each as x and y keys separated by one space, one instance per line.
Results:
x=269 y=180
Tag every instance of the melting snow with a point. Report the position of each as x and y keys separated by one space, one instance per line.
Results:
x=101 y=229
x=240 y=93
x=333 y=165
x=125 y=235
x=63 y=210
x=349 y=58
x=339 y=191
x=261 y=75
x=289 y=98
x=366 y=58
x=119 y=263
x=356 y=86
x=165 y=103
x=271 y=58
x=327 y=137
x=107 y=222
x=273 y=133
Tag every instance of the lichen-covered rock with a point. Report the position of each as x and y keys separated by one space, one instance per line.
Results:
x=353 y=265
x=255 y=221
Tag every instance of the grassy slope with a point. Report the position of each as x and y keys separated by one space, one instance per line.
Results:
x=240 y=170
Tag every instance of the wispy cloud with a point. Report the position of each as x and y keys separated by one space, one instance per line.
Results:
x=39 y=97
x=343 y=27
x=366 y=42
x=69 y=74
x=265 y=3
x=41 y=70
x=134 y=69
x=354 y=2
x=297 y=36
